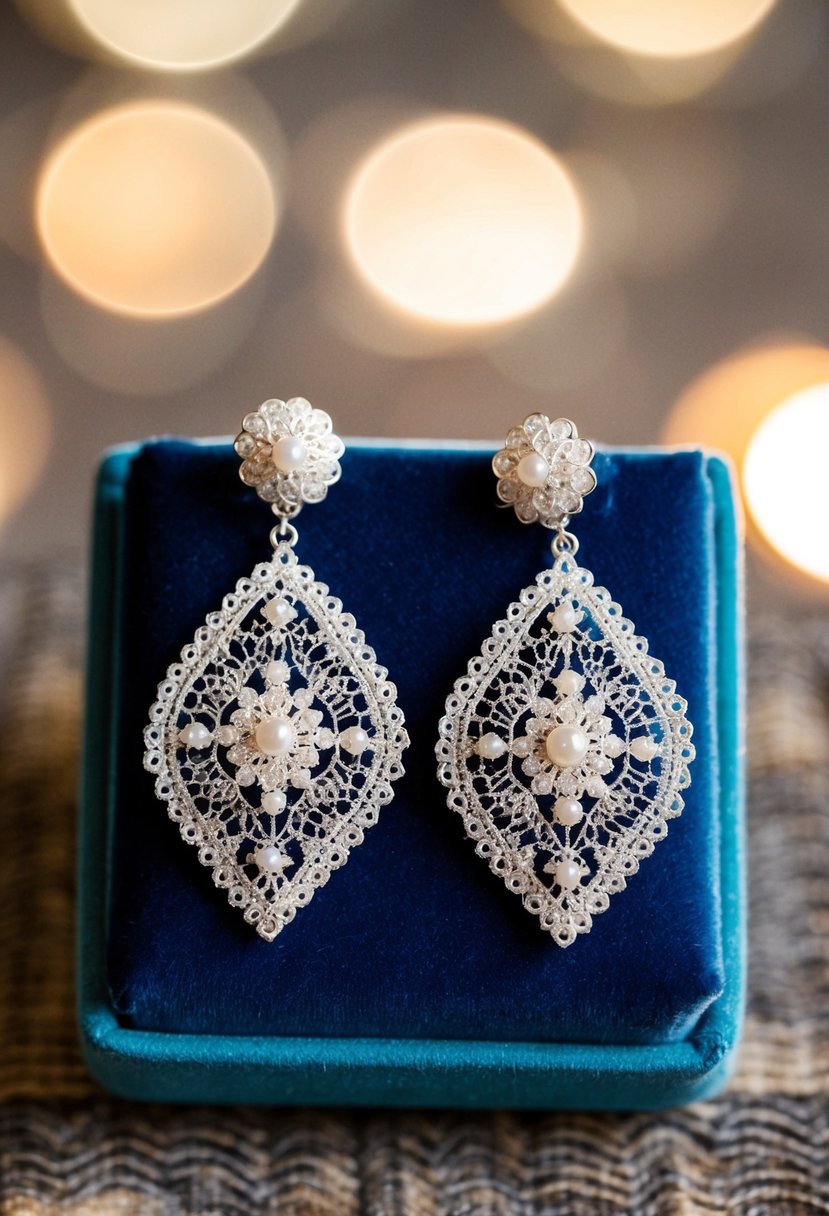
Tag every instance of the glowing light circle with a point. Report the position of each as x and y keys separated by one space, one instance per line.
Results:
x=669 y=28
x=181 y=35
x=463 y=221
x=25 y=428
x=785 y=483
x=155 y=208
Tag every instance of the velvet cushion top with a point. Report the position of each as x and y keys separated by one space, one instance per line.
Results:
x=414 y=937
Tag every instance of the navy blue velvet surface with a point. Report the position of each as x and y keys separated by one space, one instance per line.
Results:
x=414 y=937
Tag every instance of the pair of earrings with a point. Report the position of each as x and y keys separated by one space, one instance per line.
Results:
x=276 y=737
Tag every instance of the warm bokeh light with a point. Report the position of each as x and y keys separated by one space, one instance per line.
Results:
x=181 y=35
x=785 y=482
x=463 y=220
x=723 y=407
x=24 y=428
x=155 y=209
x=124 y=354
x=669 y=28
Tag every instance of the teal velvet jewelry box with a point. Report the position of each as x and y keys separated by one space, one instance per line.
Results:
x=413 y=978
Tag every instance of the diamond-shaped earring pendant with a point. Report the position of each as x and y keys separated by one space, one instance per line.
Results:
x=276 y=736
x=565 y=747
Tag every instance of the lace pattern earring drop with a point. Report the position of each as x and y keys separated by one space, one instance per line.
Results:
x=276 y=736
x=565 y=748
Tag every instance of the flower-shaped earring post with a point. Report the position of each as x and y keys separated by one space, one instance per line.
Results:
x=544 y=470
x=290 y=454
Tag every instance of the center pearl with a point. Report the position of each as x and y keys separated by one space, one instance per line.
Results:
x=567 y=746
x=533 y=469
x=275 y=736
x=289 y=454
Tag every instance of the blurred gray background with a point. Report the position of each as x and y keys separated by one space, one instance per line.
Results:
x=706 y=232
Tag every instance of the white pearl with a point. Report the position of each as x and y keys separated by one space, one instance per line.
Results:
x=269 y=859
x=273 y=802
x=613 y=746
x=567 y=875
x=275 y=736
x=565 y=618
x=533 y=469
x=289 y=454
x=227 y=735
x=568 y=683
x=567 y=746
x=491 y=746
x=196 y=735
x=644 y=748
x=354 y=740
x=567 y=811
x=276 y=672
x=278 y=612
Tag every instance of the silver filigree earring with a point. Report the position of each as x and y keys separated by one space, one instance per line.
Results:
x=565 y=747
x=276 y=736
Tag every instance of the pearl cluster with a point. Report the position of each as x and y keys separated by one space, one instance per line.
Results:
x=543 y=471
x=568 y=750
x=289 y=454
x=274 y=737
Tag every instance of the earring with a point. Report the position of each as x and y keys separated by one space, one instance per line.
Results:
x=276 y=737
x=565 y=748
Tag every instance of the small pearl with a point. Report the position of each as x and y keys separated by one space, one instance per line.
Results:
x=278 y=612
x=273 y=802
x=644 y=748
x=196 y=735
x=276 y=672
x=269 y=859
x=568 y=683
x=533 y=469
x=567 y=875
x=567 y=811
x=567 y=746
x=491 y=746
x=613 y=746
x=275 y=736
x=354 y=740
x=565 y=618
x=227 y=735
x=289 y=454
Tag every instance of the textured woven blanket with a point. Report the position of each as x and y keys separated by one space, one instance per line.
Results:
x=66 y=1147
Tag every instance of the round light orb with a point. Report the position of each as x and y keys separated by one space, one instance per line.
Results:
x=273 y=802
x=533 y=469
x=289 y=454
x=275 y=736
x=181 y=35
x=463 y=220
x=567 y=875
x=723 y=406
x=785 y=481
x=155 y=209
x=25 y=428
x=567 y=746
x=669 y=28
